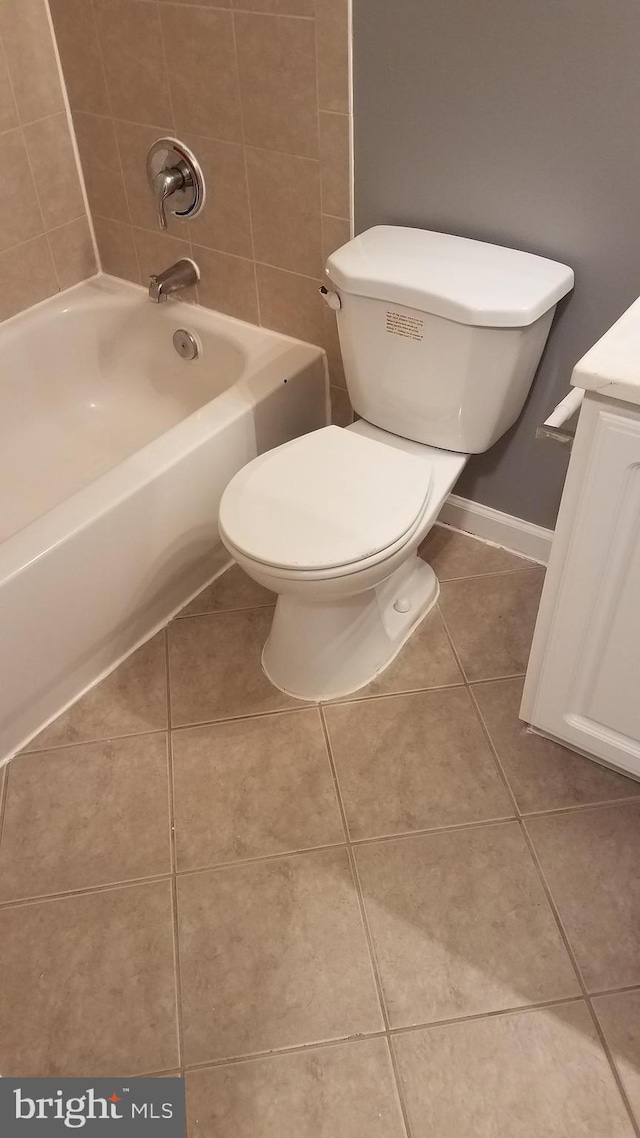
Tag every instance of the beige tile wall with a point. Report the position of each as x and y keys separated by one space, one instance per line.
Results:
x=45 y=242
x=259 y=89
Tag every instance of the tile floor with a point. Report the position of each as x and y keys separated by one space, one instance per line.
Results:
x=395 y=914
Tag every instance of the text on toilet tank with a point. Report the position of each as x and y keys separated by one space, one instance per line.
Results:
x=410 y=327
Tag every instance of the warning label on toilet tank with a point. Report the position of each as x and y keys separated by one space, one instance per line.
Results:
x=411 y=327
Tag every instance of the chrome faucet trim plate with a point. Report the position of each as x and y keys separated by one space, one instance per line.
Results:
x=174 y=172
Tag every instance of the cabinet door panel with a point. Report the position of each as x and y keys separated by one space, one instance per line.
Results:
x=587 y=686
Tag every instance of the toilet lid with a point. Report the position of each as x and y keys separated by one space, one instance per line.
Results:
x=327 y=499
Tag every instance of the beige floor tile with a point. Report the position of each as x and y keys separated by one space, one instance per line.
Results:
x=452 y=555
x=461 y=925
x=426 y=661
x=253 y=787
x=273 y=954
x=414 y=762
x=543 y=775
x=619 y=1017
x=85 y=816
x=515 y=1076
x=216 y=670
x=233 y=590
x=590 y=860
x=346 y=1091
x=491 y=621
x=130 y=700
x=87 y=984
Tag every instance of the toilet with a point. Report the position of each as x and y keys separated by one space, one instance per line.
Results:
x=441 y=337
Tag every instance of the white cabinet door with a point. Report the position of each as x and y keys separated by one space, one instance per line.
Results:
x=583 y=683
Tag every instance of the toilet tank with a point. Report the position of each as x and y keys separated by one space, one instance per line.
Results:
x=441 y=336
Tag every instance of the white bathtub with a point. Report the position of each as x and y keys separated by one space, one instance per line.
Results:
x=114 y=453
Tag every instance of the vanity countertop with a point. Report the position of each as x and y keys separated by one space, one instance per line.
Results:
x=612 y=366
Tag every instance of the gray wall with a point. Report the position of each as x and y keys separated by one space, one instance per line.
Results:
x=518 y=122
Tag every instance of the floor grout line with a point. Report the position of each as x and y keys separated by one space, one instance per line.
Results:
x=614 y=1067
x=217 y=867
x=84 y=891
x=434 y=831
x=4 y=791
x=582 y=807
x=219 y=612
x=494 y=753
x=340 y=701
x=354 y=843
x=614 y=991
x=390 y=1032
x=87 y=742
x=373 y=959
x=579 y=974
x=452 y=646
x=278 y=1052
x=493 y=573
x=558 y=920
x=174 y=884
x=516 y=1009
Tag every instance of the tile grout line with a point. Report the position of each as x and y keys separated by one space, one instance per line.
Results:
x=582 y=807
x=26 y=751
x=556 y=914
x=614 y=991
x=392 y=1033
x=578 y=971
x=177 y=977
x=334 y=773
x=558 y=920
x=316 y=59
x=112 y=121
x=4 y=792
x=84 y=891
x=494 y=754
x=491 y=573
x=45 y=233
x=355 y=843
x=517 y=1009
x=279 y=1052
x=612 y=1063
x=211 y=138
x=245 y=165
x=217 y=612
x=373 y=960
x=449 y=637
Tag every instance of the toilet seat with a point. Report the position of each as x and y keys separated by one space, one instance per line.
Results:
x=330 y=502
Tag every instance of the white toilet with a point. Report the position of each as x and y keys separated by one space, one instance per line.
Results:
x=441 y=337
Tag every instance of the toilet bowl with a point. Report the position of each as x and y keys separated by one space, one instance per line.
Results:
x=441 y=337
x=331 y=523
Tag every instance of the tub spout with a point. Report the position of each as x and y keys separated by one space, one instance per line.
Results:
x=179 y=276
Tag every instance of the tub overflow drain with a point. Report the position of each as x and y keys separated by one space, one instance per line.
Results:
x=186 y=344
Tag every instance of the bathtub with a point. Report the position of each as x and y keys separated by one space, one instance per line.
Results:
x=114 y=453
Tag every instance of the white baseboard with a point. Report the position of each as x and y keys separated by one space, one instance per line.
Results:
x=502 y=529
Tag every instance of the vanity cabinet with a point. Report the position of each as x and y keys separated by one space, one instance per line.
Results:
x=583 y=680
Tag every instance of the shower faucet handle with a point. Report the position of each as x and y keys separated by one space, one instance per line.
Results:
x=174 y=172
x=165 y=184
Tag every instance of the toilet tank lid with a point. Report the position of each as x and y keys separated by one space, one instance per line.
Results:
x=471 y=282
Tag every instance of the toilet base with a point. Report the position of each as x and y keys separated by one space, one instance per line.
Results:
x=319 y=651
